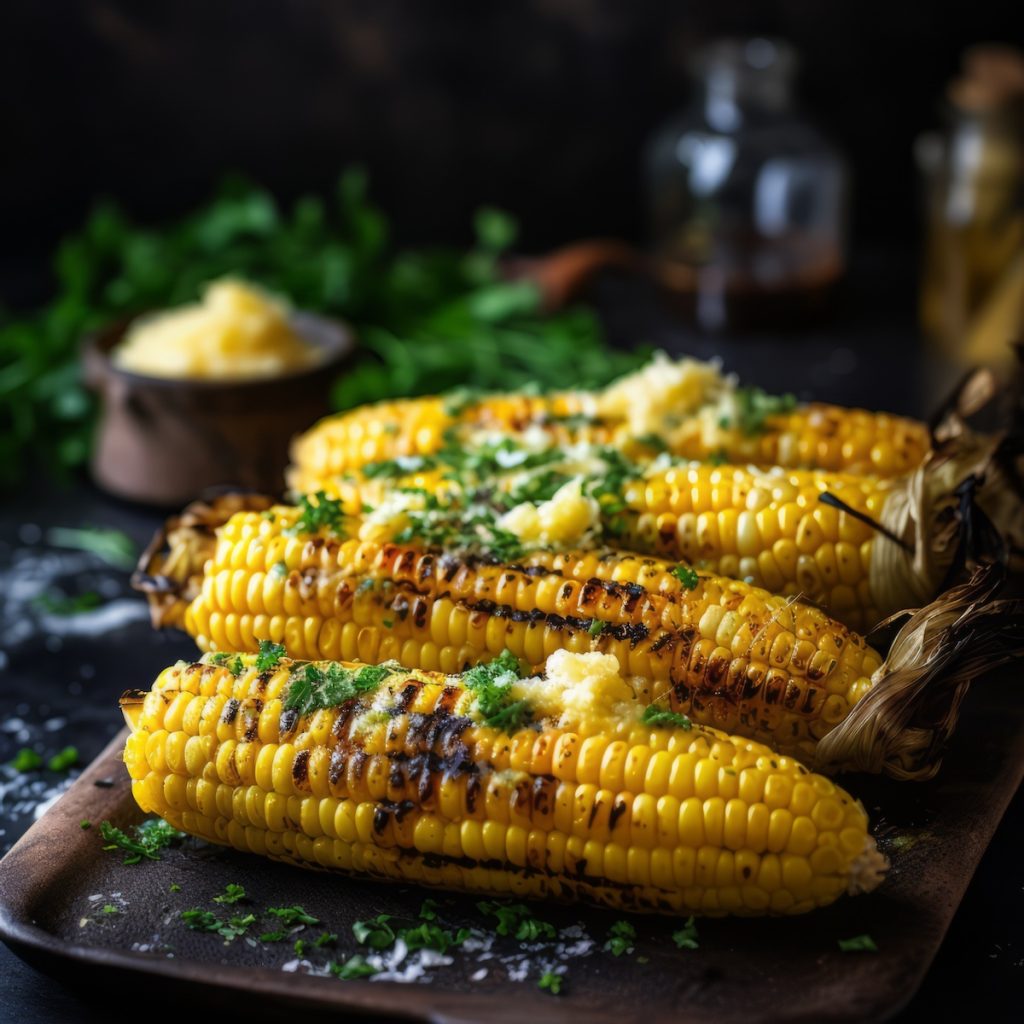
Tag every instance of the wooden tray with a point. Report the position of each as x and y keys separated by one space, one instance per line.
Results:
x=749 y=970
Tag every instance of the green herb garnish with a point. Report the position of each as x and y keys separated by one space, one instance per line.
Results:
x=200 y=920
x=664 y=719
x=355 y=967
x=61 y=604
x=858 y=944
x=517 y=919
x=26 y=760
x=491 y=684
x=550 y=982
x=311 y=687
x=755 y=407
x=326 y=939
x=687 y=576
x=269 y=655
x=432 y=936
x=109 y=908
x=317 y=512
x=85 y=825
x=289 y=916
x=686 y=937
x=63 y=760
x=232 y=894
x=113 y=546
x=376 y=933
x=621 y=937
x=151 y=836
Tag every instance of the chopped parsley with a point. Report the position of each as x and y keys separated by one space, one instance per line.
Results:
x=61 y=604
x=428 y=935
x=234 y=663
x=754 y=408
x=664 y=719
x=517 y=920
x=596 y=627
x=491 y=684
x=653 y=441
x=269 y=655
x=175 y=887
x=621 y=937
x=550 y=982
x=26 y=760
x=200 y=920
x=458 y=400
x=232 y=894
x=109 y=908
x=686 y=937
x=687 y=576
x=289 y=916
x=63 y=760
x=300 y=947
x=85 y=825
x=311 y=687
x=460 y=527
x=326 y=939
x=858 y=944
x=355 y=967
x=151 y=836
x=279 y=936
x=404 y=465
x=317 y=512
x=113 y=546
x=428 y=910
x=376 y=933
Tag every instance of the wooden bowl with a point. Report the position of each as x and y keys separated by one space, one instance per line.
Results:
x=164 y=440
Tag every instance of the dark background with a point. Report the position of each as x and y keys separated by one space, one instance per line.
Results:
x=541 y=106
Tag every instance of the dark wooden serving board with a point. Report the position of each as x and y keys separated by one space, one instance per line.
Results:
x=762 y=969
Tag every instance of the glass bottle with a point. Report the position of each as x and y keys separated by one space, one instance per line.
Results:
x=746 y=198
x=972 y=289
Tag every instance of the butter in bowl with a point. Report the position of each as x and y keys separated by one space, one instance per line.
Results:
x=209 y=394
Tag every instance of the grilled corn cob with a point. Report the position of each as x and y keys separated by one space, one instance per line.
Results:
x=399 y=775
x=726 y=653
x=861 y=547
x=687 y=407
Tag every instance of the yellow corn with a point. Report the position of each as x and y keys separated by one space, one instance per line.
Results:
x=813 y=436
x=726 y=653
x=768 y=528
x=406 y=784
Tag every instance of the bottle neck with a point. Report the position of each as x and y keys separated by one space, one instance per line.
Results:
x=741 y=79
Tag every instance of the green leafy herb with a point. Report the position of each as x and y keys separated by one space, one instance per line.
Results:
x=653 y=441
x=858 y=944
x=269 y=655
x=664 y=719
x=109 y=908
x=63 y=760
x=326 y=939
x=200 y=920
x=686 y=937
x=113 y=546
x=355 y=967
x=755 y=407
x=85 y=825
x=61 y=604
x=596 y=627
x=300 y=947
x=687 y=576
x=151 y=836
x=376 y=933
x=26 y=760
x=428 y=319
x=311 y=688
x=517 y=919
x=279 y=570
x=492 y=686
x=550 y=982
x=428 y=910
x=621 y=937
x=279 y=936
x=318 y=512
x=429 y=935
x=232 y=894
x=289 y=916
x=175 y=887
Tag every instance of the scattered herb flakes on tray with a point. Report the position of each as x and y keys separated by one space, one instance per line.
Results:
x=429 y=320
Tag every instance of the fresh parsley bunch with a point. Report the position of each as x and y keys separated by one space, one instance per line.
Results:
x=429 y=319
